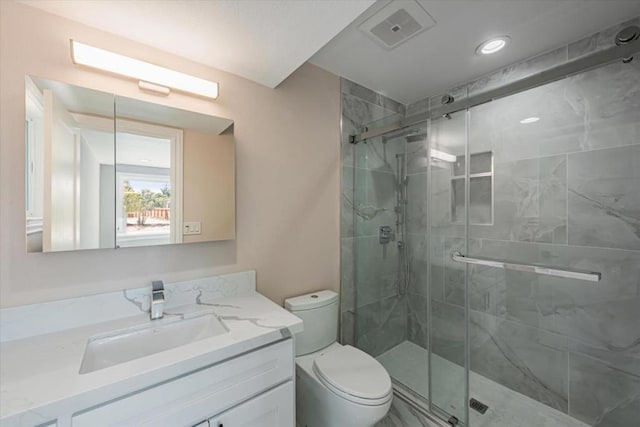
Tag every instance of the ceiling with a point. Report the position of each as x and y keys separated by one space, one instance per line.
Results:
x=266 y=40
x=444 y=55
x=132 y=149
x=261 y=40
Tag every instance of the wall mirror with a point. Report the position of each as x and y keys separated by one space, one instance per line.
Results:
x=105 y=171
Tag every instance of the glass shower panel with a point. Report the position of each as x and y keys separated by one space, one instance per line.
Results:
x=390 y=261
x=447 y=281
x=563 y=191
x=380 y=307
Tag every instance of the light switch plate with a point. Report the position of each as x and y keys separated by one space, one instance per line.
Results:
x=191 y=228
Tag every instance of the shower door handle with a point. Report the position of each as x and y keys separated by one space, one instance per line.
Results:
x=532 y=268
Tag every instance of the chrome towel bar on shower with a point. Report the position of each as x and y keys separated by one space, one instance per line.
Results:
x=539 y=269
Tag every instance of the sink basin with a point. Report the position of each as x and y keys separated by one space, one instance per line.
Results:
x=153 y=337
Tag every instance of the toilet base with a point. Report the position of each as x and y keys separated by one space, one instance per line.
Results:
x=317 y=406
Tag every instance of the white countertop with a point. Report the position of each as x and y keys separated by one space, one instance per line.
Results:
x=40 y=374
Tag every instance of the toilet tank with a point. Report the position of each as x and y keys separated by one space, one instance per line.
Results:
x=319 y=314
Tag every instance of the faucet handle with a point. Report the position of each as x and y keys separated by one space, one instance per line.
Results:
x=157 y=305
x=157 y=298
x=157 y=286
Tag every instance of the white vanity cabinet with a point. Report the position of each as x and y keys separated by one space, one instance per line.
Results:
x=253 y=389
x=243 y=376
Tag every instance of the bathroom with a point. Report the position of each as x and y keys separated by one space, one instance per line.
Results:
x=389 y=213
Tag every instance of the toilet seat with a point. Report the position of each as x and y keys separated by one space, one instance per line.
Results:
x=354 y=375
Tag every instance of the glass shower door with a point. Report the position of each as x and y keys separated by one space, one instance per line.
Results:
x=447 y=310
x=380 y=306
x=555 y=181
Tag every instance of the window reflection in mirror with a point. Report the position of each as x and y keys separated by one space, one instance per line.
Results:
x=147 y=169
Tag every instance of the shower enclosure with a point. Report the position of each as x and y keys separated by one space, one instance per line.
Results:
x=491 y=246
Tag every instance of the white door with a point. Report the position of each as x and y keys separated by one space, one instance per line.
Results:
x=60 y=177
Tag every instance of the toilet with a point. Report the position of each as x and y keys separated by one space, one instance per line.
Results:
x=336 y=385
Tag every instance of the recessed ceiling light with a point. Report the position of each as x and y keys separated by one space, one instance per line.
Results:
x=529 y=120
x=144 y=160
x=493 y=45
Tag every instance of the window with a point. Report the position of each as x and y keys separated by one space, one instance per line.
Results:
x=148 y=184
x=145 y=203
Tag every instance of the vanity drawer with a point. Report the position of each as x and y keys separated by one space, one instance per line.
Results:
x=187 y=400
x=275 y=408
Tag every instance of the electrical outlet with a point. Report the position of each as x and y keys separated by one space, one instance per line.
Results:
x=191 y=228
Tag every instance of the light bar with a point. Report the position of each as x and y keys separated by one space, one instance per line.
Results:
x=151 y=87
x=104 y=60
x=529 y=120
x=441 y=155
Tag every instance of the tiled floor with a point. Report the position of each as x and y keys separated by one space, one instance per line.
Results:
x=402 y=414
x=407 y=364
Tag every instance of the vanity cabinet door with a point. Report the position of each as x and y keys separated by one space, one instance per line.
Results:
x=271 y=409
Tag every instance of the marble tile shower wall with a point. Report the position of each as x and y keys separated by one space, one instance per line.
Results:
x=368 y=197
x=566 y=193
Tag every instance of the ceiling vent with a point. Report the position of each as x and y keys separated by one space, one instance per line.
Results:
x=396 y=23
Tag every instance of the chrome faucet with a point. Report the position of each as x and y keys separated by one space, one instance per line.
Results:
x=157 y=299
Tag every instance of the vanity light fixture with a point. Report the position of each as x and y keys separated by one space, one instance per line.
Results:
x=528 y=120
x=493 y=45
x=151 y=77
x=150 y=87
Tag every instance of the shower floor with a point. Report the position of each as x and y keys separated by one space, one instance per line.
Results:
x=407 y=363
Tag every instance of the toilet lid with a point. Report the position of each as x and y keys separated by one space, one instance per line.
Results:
x=354 y=372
